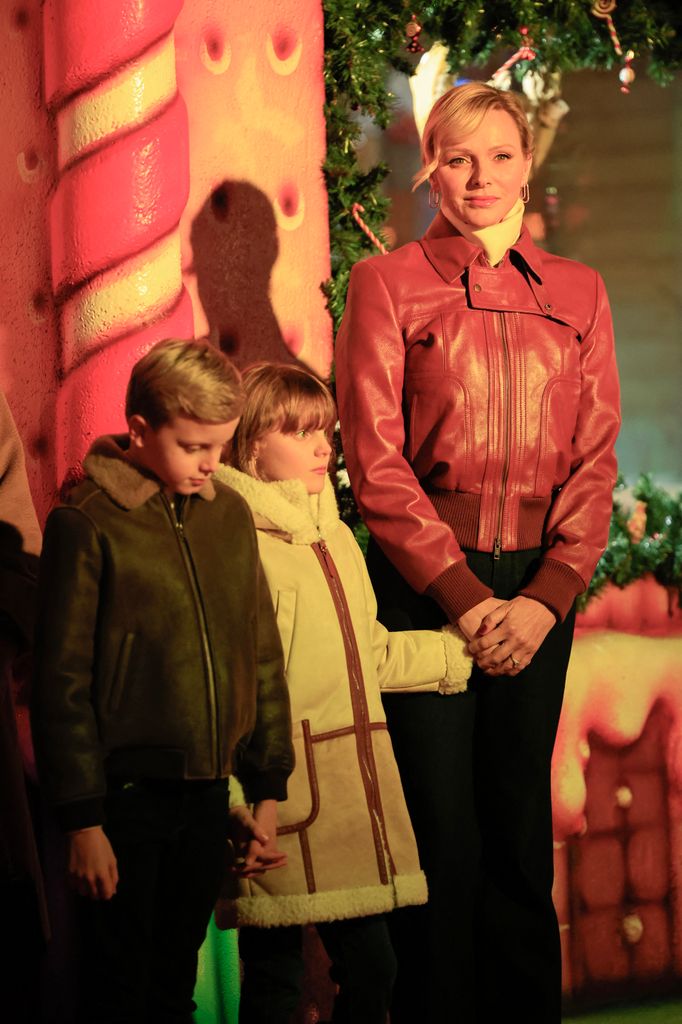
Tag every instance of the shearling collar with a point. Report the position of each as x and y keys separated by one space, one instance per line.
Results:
x=285 y=507
x=129 y=486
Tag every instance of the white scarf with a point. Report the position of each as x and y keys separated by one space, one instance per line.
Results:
x=496 y=239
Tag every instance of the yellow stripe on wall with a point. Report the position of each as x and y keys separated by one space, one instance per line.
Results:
x=123 y=299
x=126 y=99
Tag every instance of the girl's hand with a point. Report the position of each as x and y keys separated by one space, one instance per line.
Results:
x=259 y=838
x=509 y=636
x=470 y=622
x=92 y=870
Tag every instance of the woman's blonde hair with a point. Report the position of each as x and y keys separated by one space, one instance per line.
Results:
x=458 y=113
x=184 y=378
x=282 y=397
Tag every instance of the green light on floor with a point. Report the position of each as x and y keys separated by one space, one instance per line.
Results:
x=217 y=989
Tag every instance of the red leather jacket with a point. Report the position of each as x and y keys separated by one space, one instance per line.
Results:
x=479 y=408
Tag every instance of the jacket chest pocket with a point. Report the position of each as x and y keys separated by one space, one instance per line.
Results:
x=558 y=419
x=285 y=611
x=425 y=347
x=438 y=412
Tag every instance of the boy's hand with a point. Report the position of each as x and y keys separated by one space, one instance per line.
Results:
x=256 y=838
x=92 y=867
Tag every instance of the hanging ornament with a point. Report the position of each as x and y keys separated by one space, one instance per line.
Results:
x=627 y=73
x=413 y=31
x=602 y=9
x=356 y=210
x=524 y=52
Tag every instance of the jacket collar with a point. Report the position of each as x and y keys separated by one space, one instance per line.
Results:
x=129 y=486
x=284 y=506
x=451 y=253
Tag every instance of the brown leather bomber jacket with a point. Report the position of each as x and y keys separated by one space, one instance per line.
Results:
x=479 y=409
x=157 y=649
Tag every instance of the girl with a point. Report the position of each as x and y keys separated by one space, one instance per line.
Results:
x=344 y=827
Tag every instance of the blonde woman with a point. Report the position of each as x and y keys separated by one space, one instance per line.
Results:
x=479 y=408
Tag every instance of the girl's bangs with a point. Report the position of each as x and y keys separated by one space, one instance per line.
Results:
x=309 y=411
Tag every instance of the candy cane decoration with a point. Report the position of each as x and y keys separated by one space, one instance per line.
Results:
x=356 y=210
x=123 y=161
x=602 y=9
x=524 y=52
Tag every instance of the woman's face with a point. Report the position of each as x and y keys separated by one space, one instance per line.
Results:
x=480 y=177
x=303 y=456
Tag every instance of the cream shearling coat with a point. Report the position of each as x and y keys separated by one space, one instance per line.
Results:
x=345 y=827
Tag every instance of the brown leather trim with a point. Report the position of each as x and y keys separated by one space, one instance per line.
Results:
x=363 y=739
x=314 y=788
x=461 y=513
x=346 y=731
x=307 y=861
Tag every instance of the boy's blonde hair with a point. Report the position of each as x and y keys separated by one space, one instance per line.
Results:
x=184 y=378
x=458 y=113
x=282 y=397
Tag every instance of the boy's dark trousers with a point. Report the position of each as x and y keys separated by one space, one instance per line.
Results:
x=363 y=966
x=475 y=768
x=140 y=948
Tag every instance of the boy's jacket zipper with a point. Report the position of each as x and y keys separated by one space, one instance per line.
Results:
x=175 y=514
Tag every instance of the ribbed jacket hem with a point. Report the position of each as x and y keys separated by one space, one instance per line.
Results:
x=457 y=590
x=556 y=586
x=271 y=910
x=461 y=511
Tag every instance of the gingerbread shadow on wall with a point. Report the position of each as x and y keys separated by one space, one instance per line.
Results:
x=234 y=242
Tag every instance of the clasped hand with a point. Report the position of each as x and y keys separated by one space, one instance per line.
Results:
x=254 y=836
x=504 y=635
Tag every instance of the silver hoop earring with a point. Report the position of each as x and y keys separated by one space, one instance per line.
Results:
x=525 y=192
x=434 y=198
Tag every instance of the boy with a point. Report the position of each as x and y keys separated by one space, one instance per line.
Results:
x=158 y=665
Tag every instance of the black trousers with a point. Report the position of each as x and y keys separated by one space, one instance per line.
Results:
x=140 y=948
x=363 y=966
x=476 y=773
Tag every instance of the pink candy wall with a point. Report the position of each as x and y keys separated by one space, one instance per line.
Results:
x=160 y=151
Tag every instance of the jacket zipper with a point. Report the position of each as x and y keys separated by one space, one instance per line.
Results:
x=190 y=568
x=359 y=703
x=497 y=546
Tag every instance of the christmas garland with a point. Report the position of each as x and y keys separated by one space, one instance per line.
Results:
x=364 y=40
x=646 y=539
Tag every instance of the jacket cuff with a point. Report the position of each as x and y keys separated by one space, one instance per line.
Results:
x=556 y=586
x=82 y=814
x=270 y=785
x=457 y=590
x=458 y=661
x=236 y=795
